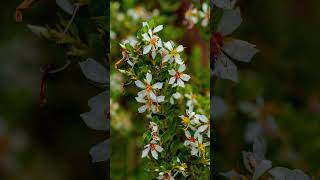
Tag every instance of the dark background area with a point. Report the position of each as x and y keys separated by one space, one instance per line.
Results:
x=286 y=73
x=50 y=142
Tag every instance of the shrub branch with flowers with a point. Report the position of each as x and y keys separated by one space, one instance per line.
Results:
x=177 y=141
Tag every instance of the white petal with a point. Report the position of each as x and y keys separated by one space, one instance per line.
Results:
x=225 y=68
x=147 y=49
x=142 y=109
x=153 y=96
x=230 y=21
x=145 y=152
x=172 y=72
x=158 y=28
x=176 y=95
x=146 y=37
x=180 y=83
x=153 y=54
x=187 y=133
x=160 y=99
x=205 y=7
x=182 y=68
x=159 y=148
x=149 y=78
x=172 y=80
x=168 y=45
x=159 y=43
x=180 y=48
x=186 y=143
x=239 y=50
x=185 y=77
x=157 y=85
x=194 y=151
x=140 y=84
x=142 y=93
x=178 y=59
x=154 y=154
x=140 y=99
x=202 y=128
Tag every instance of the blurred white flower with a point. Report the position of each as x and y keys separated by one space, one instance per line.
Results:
x=174 y=96
x=205 y=14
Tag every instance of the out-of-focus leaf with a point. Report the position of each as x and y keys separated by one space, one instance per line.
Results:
x=66 y=5
x=94 y=71
x=230 y=21
x=248 y=107
x=100 y=152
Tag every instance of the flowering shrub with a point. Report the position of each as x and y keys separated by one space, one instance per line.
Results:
x=179 y=131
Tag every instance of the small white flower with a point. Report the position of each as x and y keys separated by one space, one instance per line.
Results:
x=149 y=104
x=174 y=96
x=173 y=52
x=203 y=127
x=190 y=139
x=178 y=76
x=154 y=148
x=165 y=176
x=126 y=56
x=205 y=14
x=198 y=148
x=187 y=120
x=148 y=88
x=153 y=41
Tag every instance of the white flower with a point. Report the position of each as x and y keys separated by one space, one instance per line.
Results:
x=187 y=120
x=153 y=41
x=153 y=126
x=126 y=56
x=205 y=14
x=190 y=140
x=148 y=88
x=174 y=96
x=225 y=48
x=154 y=147
x=178 y=76
x=165 y=176
x=192 y=99
x=173 y=54
x=191 y=16
x=203 y=127
x=149 y=104
x=198 y=148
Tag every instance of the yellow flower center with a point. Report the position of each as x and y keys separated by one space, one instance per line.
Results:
x=185 y=121
x=173 y=52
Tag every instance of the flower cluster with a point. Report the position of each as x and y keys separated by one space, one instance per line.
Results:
x=158 y=69
x=193 y=15
x=198 y=125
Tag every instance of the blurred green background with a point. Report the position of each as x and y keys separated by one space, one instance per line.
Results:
x=50 y=142
x=285 y=72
